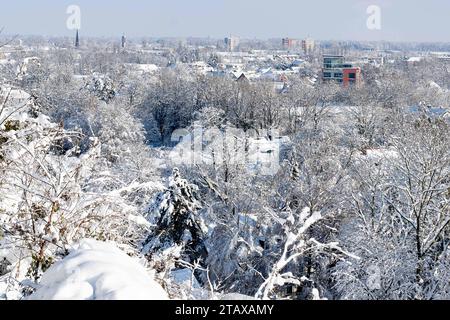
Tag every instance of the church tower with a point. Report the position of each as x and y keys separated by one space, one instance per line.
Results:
x=77 y=41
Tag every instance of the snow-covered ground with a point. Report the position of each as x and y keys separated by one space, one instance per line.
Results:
x=98 y=271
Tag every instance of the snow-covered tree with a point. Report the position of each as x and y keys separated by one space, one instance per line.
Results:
x=401 y=222
x=102 y=87
x=175 y=213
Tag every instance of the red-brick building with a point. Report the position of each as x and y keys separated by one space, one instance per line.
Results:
x=289 y=43
x=351 y=76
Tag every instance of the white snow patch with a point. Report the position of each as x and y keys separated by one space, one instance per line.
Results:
x=139 y=220
x=185 y=277
x=98 y=271
x=382 y=153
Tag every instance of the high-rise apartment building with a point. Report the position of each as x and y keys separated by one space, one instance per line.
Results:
x=231 y=43
x=308 y=45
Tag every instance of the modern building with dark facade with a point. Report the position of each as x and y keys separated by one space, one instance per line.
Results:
x=336 y=69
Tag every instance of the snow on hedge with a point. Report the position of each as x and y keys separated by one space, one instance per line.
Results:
x=98 y=271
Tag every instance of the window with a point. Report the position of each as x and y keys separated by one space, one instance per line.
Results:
x=338 y=75
x=352 y=75
x=327 y=74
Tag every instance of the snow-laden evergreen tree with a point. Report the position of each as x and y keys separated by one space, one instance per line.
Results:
x=175 y=213
x=102 y=87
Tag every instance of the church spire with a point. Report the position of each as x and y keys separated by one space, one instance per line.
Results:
x=124 y=41
x=77 y=40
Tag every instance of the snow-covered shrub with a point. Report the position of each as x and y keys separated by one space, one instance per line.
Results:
x=49 y=195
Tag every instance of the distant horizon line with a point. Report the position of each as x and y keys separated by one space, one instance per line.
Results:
x=87 y=36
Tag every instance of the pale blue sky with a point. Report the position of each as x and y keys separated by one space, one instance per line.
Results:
x=402 y=20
